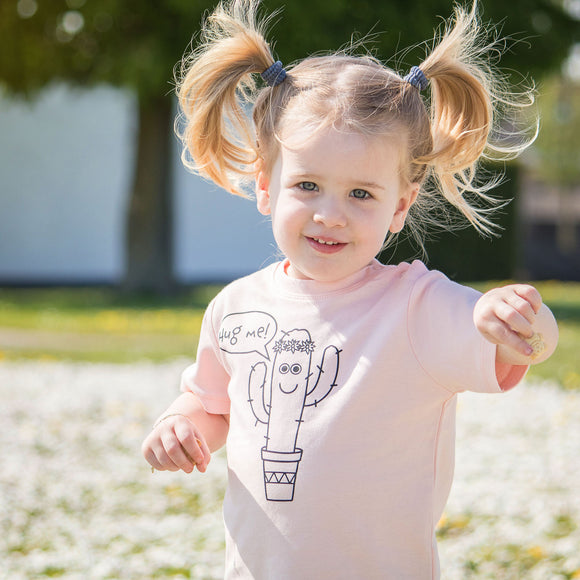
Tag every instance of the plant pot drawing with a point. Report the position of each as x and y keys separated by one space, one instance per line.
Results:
x=280 y=469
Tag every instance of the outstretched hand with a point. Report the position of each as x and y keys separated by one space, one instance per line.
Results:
x=508 y=316
x=505 y=316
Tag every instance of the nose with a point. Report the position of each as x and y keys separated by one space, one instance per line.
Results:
x=330 y=212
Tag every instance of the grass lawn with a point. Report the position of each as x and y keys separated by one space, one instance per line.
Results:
x=99 y=325
x=102 y=325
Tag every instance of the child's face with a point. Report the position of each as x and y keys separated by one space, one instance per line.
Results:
x=333 y=199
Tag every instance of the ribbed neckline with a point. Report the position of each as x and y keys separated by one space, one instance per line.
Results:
x=297 y=288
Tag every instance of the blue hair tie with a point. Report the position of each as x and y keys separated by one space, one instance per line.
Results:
x=417 y=78
x=275 y=74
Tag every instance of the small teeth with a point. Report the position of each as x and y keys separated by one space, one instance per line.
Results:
x=323 y=242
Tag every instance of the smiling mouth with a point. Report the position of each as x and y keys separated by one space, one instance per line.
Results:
x=325 y=246
x=327 y=243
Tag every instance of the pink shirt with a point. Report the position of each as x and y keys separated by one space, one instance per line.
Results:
x=342 y=417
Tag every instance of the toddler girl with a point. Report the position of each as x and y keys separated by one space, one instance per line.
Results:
x=334 y=378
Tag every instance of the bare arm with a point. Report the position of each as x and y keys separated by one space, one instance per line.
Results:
x=185 y=436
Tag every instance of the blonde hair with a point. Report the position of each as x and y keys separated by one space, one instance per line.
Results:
x=468 y=115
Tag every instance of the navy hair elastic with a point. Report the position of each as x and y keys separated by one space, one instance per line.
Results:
x=417 y=78
x=275 y=74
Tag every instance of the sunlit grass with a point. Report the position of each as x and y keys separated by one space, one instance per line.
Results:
x=99 y=325
x=87 y=310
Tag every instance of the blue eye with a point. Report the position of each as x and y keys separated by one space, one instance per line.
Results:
x=360 y=194
x=308 y=186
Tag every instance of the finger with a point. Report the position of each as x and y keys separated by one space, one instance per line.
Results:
x=516 y=320
x=191 y=446
x=522 y=306
x=507 y=337
x=194 y=446
x=175 y=453
x=154 y=453
x=152 y=460
x=165 y=460
x=502 y=334
x=205 y=449
x=530 y=295
x=161 y=461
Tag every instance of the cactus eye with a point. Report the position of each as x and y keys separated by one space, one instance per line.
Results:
x=284 y=368
x=296 y=369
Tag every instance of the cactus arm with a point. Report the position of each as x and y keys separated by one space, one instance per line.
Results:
x=327 y=373
x=257 y=397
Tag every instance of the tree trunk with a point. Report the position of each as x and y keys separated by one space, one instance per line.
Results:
x=149 y=237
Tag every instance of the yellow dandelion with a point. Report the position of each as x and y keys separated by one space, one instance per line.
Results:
x=536 y=552
x=113 y=321
x=460 y=522
x=443 y=521
x=173 y=490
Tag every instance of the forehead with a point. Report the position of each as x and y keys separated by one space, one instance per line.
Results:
x=340 y=151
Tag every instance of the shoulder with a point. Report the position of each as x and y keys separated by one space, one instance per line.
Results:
x=418 y=271
x=429 y=296
x=407 y=276
x=417 y=276
x=404 y=270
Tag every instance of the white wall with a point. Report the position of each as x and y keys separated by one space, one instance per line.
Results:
x=63 y=180
x=65 y=173
x=218 y=236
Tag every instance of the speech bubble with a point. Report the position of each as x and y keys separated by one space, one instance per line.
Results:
x=245 y=332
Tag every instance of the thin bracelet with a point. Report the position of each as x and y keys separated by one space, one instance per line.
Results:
x=159 y=421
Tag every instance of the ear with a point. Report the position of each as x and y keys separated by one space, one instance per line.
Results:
x=407 y=199
x=263 y=193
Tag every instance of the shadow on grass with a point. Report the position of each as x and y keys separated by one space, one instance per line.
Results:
x=71 y=298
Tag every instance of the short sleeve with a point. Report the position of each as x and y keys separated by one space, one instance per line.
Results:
x=446 y=342
x=207 y=378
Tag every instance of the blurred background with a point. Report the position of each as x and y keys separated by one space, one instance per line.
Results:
x=91 y=186
x=110 y=252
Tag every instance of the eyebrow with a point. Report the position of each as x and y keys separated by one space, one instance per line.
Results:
x=371 y=185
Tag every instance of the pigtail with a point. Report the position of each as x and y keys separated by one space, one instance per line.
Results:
x=472 y=116
x=215 y=90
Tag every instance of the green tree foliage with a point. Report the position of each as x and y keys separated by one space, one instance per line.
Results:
x=540 y=32
x=137 y=43
x=128 y=43
x=558 y=145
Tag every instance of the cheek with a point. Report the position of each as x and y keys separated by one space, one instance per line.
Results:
x=288 y=213
x=375 y=227
x=284 y=227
